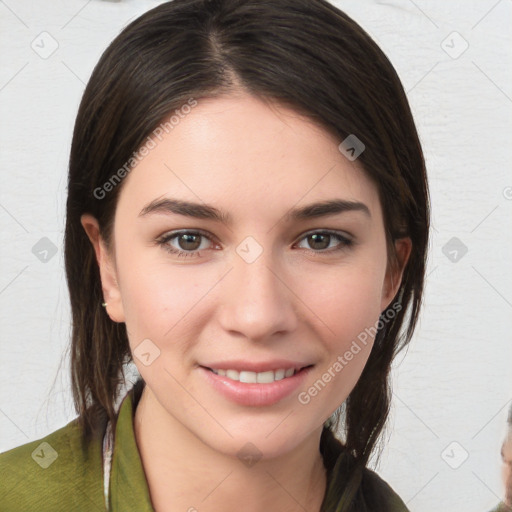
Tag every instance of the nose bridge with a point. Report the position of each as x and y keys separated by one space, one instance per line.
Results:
x=257 y=303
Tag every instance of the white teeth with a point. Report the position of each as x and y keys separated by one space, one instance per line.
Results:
x=265 y=377
x=248 y=377
x=279 y=374
x=256 y=377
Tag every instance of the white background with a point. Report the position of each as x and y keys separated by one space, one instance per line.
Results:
x=454 y=382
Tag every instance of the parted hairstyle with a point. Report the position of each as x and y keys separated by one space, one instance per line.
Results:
x=305 y=54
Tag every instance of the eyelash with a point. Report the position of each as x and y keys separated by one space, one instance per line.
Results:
x=344 y=242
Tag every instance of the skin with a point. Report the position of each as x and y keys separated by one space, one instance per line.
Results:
x=506 y=472
x=255 y=162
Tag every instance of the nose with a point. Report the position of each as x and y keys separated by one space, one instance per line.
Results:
x=256 y=302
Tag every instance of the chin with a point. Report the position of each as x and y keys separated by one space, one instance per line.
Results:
x=257 y=443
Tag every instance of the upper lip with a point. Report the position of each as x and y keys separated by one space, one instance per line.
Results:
x=252 y=366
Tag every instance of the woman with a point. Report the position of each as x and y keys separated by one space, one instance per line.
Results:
x=247 y=219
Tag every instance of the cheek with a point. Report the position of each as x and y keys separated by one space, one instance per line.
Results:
x=348 y=306
x=156 y=299
x=163 y=315
x=159 y=299
x=347 y=301
x=349 y=311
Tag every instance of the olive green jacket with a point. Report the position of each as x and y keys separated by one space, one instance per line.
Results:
x=59 y=473
x=502 y=507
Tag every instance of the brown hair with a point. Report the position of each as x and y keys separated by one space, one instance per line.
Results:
x=305 y=54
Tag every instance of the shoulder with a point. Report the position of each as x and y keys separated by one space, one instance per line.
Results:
x=501 y=507
x=364 y=487
x=59 y=472
x=379 y=495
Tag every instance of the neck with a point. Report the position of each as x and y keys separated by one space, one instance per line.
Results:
x=183 y=473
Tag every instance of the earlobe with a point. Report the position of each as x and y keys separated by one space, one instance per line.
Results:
x=394 y=273
x=106 y=264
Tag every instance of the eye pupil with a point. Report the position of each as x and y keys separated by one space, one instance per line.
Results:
x=319 y=241
x=189 y=242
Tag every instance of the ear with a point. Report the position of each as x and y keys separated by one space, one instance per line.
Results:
x=395 y=270
x=109 y=284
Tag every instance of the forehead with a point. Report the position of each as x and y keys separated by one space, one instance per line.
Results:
x=249 y=151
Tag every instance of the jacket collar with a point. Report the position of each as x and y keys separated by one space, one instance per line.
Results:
x=129 y=490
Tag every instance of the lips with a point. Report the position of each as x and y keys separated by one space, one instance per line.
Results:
x=250 y=372
x=254 y=393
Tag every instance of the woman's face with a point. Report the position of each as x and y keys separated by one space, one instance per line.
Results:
x=221 y=261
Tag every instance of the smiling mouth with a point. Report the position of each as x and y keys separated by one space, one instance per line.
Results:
x=266 y=377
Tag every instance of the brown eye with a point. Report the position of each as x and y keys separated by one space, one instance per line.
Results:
x=319 y=241
x=189 y=242
x=186 y=243
x=325 y=241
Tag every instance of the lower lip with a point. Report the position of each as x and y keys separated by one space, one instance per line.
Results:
x=255 y=394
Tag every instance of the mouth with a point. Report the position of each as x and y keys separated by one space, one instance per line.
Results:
x=255 y=389
x=250 y=377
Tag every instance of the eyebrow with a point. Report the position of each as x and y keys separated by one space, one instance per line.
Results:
x=205 y=211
